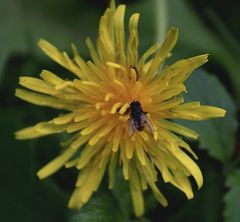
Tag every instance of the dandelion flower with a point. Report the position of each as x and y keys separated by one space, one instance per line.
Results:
x=118 y=109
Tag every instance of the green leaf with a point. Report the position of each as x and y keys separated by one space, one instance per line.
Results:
x=3 y=59
x=61 y=23
x=142 y=219
x=195 y=36
x=231 y=199
x=101 y=208
x=122 y=194
x=207 y=203
x=224 y=31
x=13 y=30
x=23 y=196
x=216 y=135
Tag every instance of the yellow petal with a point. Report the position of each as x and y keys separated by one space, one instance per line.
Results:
x=87 y=154
x=157 y=194
x=37 y=85
x=112 y=170
x=87 y=183
x=92 y=51
x=86 y=72
x=191 y=166
x=105 y=41
x=51 y=78
x=183 y=184
x=59 y=57
x=162 y=54
x=49 y=128
x=64 y=119
x=146 y=55
x=79 y=141
x=55 y=164
x=171 y=92
x=169 y=43
x=93 y=127
x=129 y=149
x=124 y=108
x=71 y=163
x=132 y=55
x=171 y=103
x=115 y=107
x=125 y=161
x=28 y=133
x=40 y=129
x=140 y=153
x=136 y=191
x=42 y=100
x=191 y=112
x=79 y=198
x=119 y=34
x=117 y=139
x=174 y=127
x=180 y=71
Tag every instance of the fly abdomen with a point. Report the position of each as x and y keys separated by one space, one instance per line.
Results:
x=138 y=118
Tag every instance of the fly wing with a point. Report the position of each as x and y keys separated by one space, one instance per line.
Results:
x=131 y=127
x=149 y=125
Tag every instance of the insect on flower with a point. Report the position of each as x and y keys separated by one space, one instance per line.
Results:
x=138 y=118
x=116 y=94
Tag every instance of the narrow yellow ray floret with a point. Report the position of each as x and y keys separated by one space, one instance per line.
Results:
x=118 y=108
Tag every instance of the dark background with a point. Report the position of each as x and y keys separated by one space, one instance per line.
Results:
x=205 y=27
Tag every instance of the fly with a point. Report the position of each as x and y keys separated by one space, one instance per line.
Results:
x=138 y=118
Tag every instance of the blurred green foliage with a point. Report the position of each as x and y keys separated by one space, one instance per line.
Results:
x=216 y=135
x=203 y=29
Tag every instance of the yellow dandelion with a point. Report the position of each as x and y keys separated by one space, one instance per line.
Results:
x=118 y=110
